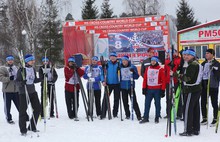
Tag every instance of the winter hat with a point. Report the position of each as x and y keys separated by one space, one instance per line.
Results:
x=43 y=59
x=191 y=52
x=113 y=54
x=125 y=58
x=155 y=58
x=211 y=51
x=95 y=58
x=184 y=52
x=28 y=58
x=9 y=58
x=71 y=59
x=149 y=49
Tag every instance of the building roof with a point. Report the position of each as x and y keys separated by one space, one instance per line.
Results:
x=198 y=26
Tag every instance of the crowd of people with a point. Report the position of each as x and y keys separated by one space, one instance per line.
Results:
x=118 y=76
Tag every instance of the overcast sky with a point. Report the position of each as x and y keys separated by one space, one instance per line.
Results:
x=205 y=10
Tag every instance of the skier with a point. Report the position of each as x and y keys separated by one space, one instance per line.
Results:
x=192 y=89
x=146 y=63
x=52 y=76
x=210 y=64
x=71 y=81
x=112 y=81
x=167 y=69
x=93 y=74
x=30 y=79
x=153 y=87
x=8 y=74
x=126 y=69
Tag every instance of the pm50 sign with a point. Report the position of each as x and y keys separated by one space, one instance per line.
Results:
x=209 y=33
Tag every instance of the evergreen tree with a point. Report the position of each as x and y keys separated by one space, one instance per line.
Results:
x=185 y=16
x=89 y=10
x=51 y=37
x=107 y=12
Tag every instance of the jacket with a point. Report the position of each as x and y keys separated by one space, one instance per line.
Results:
x=111 y=73
x=145 y=64
x=96 y=72
x=71 y=79
x=8 y=86
x=154 y=78
x=30 y=77
x=125 y=82
x=51 y=74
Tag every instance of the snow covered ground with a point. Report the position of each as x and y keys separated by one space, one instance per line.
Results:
x=63 y=129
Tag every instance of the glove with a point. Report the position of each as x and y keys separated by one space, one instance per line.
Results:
x=162 y=94
x=89 y=74
x=131 y=70
x=92 y=79
x=23 y=82
x=144 y=91
x=12 y=77
x=45 y=74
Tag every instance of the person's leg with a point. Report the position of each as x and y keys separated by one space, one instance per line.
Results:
x=125 y=102
x=69 y=102
x=148 y=99
x=204 y=100
x=196 y=118
x=22 y=113
x=97 y=94
x=7 y=106
x=214 y=101
x=157 y=98
x=136 y=106
x=116 y=100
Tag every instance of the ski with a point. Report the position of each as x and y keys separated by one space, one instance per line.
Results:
x=119 y=78
x=91 y=95
x=132 y=96
x=85 y=101
x=217 y=123
x=106 y=99
x=75 y=98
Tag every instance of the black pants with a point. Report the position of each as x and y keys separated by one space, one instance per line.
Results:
x=116 y=88
x=125 y=94
x=192 y=112
x=97 y=96
x=36 y=107
x=8 y=98
x=180 y=106
x=70 y=103
x=49 y=93
x=213 y=93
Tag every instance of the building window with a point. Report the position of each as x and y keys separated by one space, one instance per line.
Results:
x=217 y=51
x=199 y=49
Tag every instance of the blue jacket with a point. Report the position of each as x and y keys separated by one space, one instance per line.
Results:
x=126 y=76
x=96 y=74
x=112 y=73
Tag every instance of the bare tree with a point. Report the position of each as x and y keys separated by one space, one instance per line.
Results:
x=143 y=7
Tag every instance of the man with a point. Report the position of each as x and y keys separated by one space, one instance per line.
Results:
x=192 y=89
x=93 y=74
x=127 y=71
x=146 y=63
x=112 y=81
x=51 y=75
x=153 y=87
x=211 y=70
x=8 y=74
x=71 y=83
x=26 y=78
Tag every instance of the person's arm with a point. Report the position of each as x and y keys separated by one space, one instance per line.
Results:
x=80 y=72
x=3 y=77
x=135 y=74
x=85 y=76
x=142 y=69
x=55 y=75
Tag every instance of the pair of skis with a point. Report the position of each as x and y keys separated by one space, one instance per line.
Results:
x=90 y=94
x=171 y=100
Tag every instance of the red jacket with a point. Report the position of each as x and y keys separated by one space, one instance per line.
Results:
x=176 y=62
x=69 y=73
x=158 y=79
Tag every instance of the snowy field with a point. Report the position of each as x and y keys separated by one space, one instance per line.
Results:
x=63 y=129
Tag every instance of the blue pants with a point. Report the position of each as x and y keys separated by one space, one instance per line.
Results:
x=152 y=93
x=8 y=98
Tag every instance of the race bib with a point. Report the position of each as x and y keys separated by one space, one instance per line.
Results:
x=152 y=77
x=125 y=74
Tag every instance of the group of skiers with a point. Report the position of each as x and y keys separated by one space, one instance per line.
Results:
x=118 y=76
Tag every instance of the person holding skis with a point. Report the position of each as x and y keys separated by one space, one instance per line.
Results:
x=70 y=84
x=51 y=75
x=211 y=70
x=153 y=87
x=8 y=74
x=112 y=82
x=129 y=71
x=192 y=88
x=93 y=74
x=146 y=63
x=26 y=78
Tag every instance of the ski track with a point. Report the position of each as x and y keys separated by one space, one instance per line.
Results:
x=63 y=129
